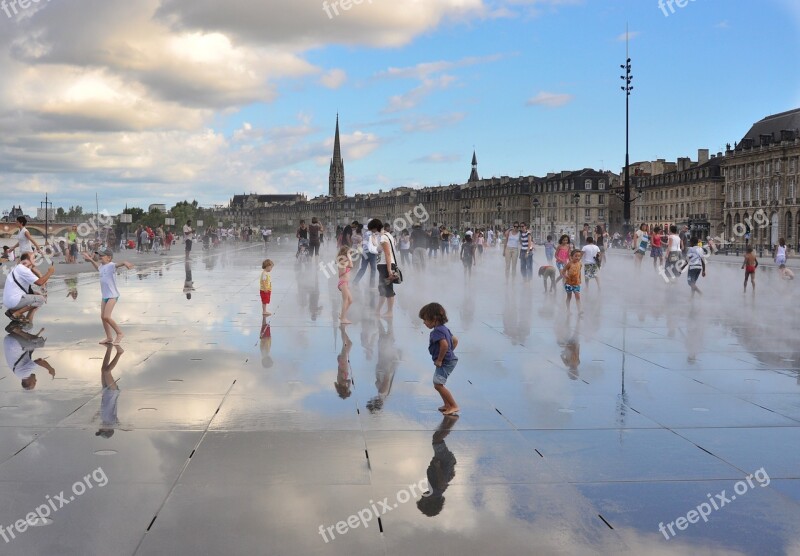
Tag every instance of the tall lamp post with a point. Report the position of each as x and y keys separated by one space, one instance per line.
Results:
x=577 y=199
x=47 y=204
x=627 y=88
x=537 y=230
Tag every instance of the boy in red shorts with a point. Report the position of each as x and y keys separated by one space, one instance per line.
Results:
x=266 y=285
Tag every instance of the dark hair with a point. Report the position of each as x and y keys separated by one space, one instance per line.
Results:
x=22 y=220
x=25 y=257
x=549 y=238
x=375 y=224
x=575 y=251
x=694 y=240
x=433 y=312
x=749 y=250
x=563 y=237
x=673 y=229
x=589 y=239
x=782 y=242
x=188 y=222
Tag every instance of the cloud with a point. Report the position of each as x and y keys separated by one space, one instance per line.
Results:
x=437 y=158
x=551 y=100
x=724 y=24
x=432 y=123
x=333 y=79
x=426 y=69
x=412 y=98
x=628 y=36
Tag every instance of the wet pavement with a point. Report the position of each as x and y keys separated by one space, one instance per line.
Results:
x=214 y=432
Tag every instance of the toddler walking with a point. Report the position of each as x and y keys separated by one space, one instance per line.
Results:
x=109 y=292
x=572 y=278
x=345 y=265
x=441 y=347
x=749 y=265
x=265 y=286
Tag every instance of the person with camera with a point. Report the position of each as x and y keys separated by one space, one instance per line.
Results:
x=387 y=277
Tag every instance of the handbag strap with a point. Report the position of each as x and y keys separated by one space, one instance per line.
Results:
x=391 y=244
x=17 y=283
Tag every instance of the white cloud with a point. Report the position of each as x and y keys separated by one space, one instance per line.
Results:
x=551 y=100
x=628 y=36
x=412 y=98
x=333 y=79
x=437 y=158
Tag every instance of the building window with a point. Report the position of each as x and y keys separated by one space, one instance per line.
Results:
x=601 y=199
x=601 y=185
x=792 y=165
x=587 y=184
x=588 y=200
x=587 y=213
x=758 y=193
x=747 y=193
x=777 y=185
x=791 y=188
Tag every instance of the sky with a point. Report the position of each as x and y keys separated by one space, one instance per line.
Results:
x=158 y=101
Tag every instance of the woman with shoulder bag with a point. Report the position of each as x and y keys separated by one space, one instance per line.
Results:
x=386 y=266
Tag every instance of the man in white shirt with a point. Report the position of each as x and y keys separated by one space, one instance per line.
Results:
x=590 y=261
x=188 y=235
x=19 y=303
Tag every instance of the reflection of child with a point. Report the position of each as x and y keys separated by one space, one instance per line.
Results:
x=343 y=383
x=266 y=344
x=441 y=470
x=441 y=347
x=786 y=273
x=345 y=265
x=749 y=265
x=265 y=286
x=72 y=287
x=108 y=404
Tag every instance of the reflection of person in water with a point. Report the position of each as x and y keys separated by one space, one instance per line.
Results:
x=343 y=382
x=18 y=347
x=72 y=287
x=188 y=284
x=386 y=366
x=570 y=341
x=108 y=404
x=441 y=470
x=313 y=299
x=266 y=343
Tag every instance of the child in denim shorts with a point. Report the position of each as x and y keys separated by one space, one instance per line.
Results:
x=441 y=346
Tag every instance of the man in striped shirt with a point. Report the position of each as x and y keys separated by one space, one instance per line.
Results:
x=525 y=252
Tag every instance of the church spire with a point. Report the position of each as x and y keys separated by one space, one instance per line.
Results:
x=474 y=174
x=336 y=174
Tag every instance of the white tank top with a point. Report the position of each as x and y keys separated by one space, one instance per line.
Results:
x=674 y=243
x=25 y=245
x=513 y=240
x=781 y=251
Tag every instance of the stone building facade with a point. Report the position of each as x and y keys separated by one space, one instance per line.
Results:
x=570 y=199
x=762 y=174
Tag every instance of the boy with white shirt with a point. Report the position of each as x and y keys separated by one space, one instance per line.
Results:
x=591 y=262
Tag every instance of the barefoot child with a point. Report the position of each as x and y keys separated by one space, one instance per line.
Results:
x=697 y=265
x=441 y=346
x=571 y=274
x=265 y=286
x=109 y=292
x=749 y=265
x=345 y=265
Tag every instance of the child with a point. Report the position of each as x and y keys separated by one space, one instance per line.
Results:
x=749 y=265
x=468 y=256
x=697 y=263
x=591 y=262
x=571 y=274
x=549 y=250
x=345 y=264
x=785 y=273
x=265 y=286
x=441 y=347
x=109 y=292
x=780 y=252
x=547 y=272
x=562 y=255
x=656 y=250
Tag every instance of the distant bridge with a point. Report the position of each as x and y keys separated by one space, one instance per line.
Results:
x=7 y=229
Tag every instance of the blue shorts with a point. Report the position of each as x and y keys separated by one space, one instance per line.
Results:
x=105 y=299
x=442 y=373
x=572 y=289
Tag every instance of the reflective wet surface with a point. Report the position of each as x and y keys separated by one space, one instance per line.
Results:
x=220 y=432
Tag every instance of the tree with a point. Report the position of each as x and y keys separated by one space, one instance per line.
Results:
x=60 y=213
x=75 y=211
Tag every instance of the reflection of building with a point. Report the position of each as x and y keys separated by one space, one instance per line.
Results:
x=690 y=195
x=762 y=173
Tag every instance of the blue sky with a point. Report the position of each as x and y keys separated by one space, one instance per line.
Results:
x=533 y=85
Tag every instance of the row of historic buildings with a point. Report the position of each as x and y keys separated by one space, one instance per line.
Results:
x=711 y=195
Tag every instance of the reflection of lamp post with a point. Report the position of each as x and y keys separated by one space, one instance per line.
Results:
x=536 y=231
x=499 y=219
x=577 y=199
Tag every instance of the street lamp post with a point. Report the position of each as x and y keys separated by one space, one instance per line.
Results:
x=627 y=88
x=576 y=198
x=536 y=231
x=47 y=204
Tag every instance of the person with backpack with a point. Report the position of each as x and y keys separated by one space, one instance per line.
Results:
x=314 y=233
